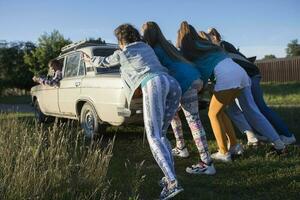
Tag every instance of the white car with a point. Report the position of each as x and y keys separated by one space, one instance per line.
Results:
x=94 y=96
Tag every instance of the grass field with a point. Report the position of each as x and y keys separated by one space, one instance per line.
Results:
x=282 y=94
x=251 y=176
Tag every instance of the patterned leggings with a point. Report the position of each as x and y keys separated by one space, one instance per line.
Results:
x=189 y=105
x=161 y=96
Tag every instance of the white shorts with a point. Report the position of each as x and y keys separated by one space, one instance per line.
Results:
x=230 y=75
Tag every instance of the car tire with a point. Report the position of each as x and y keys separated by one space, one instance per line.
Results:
x=40 y=116
x=89 y=122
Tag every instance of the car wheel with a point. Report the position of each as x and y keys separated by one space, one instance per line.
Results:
x=40 y=116
x=89 y=121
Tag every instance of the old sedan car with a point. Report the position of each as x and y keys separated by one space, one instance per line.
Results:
x=94 y=96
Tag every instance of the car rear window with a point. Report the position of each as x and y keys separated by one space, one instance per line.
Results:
x=105 y=53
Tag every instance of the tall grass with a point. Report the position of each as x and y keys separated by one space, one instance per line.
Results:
x=54 y=162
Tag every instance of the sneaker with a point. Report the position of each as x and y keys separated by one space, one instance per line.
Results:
x=236 y=149
x=170 y=190
x=163 y=182
x=251 y=137
x=201 y=168
x=252 y=144
x=222 y=157
x=287 y=140
x=183 y=153
x=278 y=144
x=276 y=152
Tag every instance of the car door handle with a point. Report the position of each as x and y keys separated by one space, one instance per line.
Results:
x=77 y=84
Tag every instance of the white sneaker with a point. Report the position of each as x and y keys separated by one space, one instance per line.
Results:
x=222 y=157
x=252 y=144
x=163 y=182
x=288 y=140
x=251 y=138
x=183 y=153
x=201 y=168
x=236 y=149
x=278 y=144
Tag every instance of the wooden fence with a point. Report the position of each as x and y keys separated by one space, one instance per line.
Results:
x=280 y=69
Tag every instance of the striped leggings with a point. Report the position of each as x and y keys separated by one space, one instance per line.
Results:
x=189 y=105
x=161 y=96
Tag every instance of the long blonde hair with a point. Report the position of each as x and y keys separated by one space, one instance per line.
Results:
x=204 y=35
x=153 y=36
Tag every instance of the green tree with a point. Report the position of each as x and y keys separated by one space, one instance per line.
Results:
x=14 y=73
x=48 y=47
x=293 y=48
x=97 y=41
x=269 y=56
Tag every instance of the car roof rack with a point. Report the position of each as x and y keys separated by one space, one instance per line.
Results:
x=83 y=43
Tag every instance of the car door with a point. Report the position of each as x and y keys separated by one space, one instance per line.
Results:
x=70 y=85
x=49 y=97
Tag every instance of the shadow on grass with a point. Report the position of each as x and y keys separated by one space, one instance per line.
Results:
x=281 y=89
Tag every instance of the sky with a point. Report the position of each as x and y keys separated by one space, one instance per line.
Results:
x=256 y=27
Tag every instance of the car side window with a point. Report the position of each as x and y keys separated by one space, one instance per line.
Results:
x=72 y=64
x=81 y=70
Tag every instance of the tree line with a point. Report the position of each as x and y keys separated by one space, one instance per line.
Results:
x=20 y=61
x=293 y=49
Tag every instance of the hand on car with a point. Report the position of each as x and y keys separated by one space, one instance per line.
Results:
x=35 y=79
x=85 y=57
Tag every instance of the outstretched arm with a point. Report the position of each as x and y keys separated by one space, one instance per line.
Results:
x=52 y=82
x=99 y=61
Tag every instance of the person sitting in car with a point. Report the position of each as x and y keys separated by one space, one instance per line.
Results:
x=54 y=81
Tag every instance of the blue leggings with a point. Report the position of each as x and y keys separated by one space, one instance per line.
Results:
x=161 y=96
x=237 y=116
x=252 y=115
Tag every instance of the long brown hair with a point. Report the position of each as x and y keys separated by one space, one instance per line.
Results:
x=153 y=36
x=214 y=32
x=55 y=64
x=191 y=45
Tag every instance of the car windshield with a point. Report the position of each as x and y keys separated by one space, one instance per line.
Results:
x=105 y=53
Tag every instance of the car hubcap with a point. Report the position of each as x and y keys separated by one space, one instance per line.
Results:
x=89 y=122
x=37 y=111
